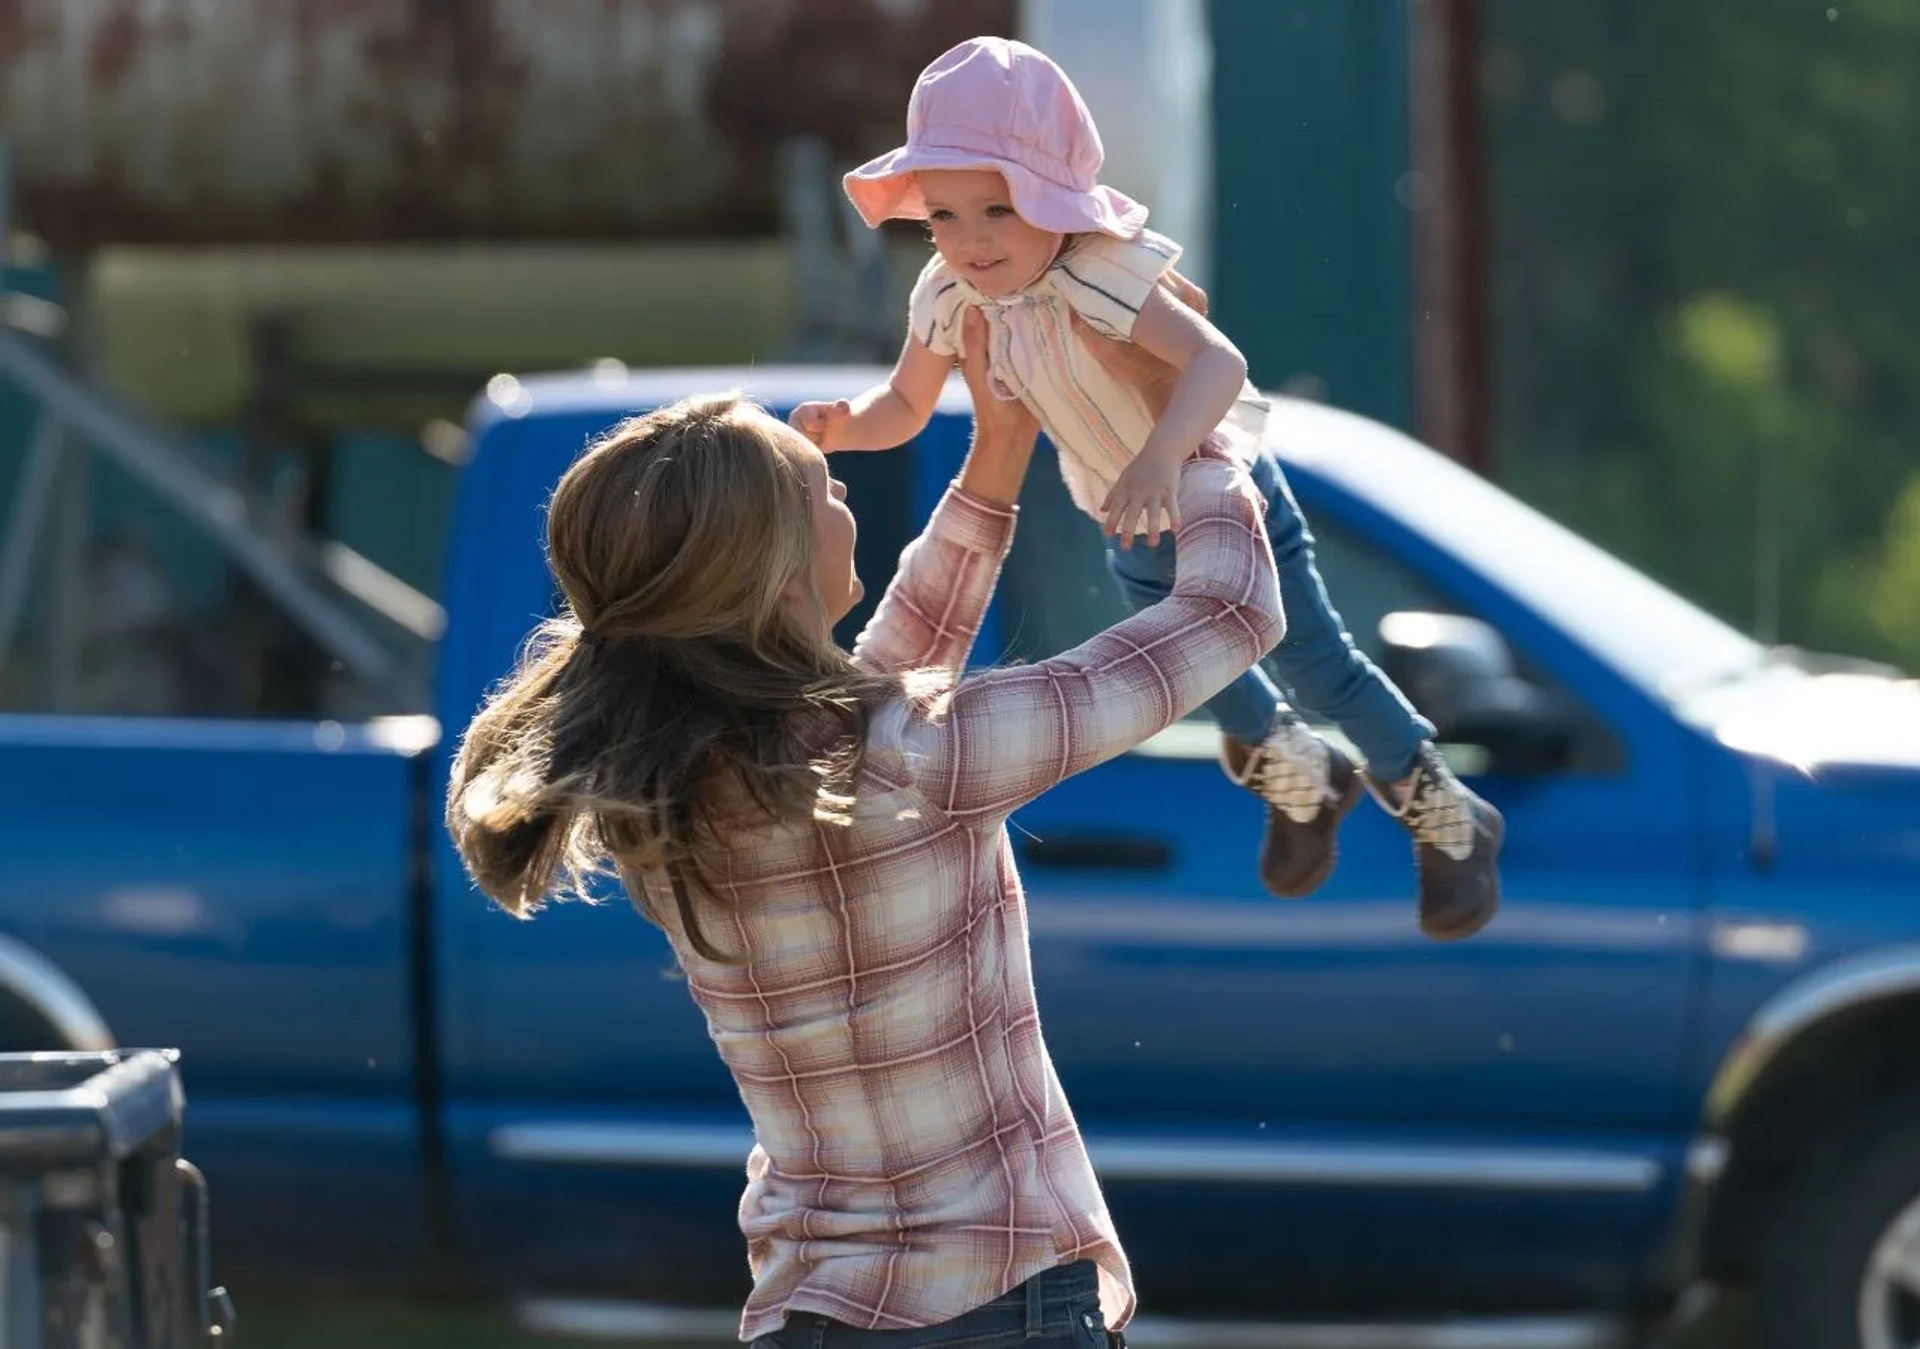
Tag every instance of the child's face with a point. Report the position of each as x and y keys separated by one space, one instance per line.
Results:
x=978 y=233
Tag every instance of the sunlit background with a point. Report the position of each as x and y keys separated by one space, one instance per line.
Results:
x=1647 y=264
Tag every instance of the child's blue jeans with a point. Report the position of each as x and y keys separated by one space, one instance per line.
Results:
x=1322 y=670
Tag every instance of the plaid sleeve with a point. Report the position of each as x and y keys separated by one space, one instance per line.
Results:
x=933 y=606
x=1004 y=736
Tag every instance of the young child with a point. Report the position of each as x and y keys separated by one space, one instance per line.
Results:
x=1001 y=161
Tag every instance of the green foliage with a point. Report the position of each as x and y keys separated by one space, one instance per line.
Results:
x=1706 y=308
x=1893 y=595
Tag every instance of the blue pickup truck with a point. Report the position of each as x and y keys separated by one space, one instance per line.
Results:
x=1687 y=1052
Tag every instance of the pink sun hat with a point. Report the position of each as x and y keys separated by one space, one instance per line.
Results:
x=992 y=103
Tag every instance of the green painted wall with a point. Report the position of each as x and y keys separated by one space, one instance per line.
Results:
x=1313 y=251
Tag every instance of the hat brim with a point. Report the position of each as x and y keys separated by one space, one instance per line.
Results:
x=884 y=189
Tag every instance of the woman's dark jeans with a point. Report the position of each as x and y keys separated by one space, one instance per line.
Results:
x=1057 y=1309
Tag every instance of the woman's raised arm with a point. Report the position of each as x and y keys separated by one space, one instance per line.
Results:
x=933 y=606
x=1006 y=735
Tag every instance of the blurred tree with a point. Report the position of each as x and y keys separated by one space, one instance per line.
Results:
x=1706 y=312
x=1893 y=602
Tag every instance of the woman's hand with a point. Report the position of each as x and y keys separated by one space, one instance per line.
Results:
x=1131 y=365
x=1004 y=429
x=1006 y=418
x=1184 y=291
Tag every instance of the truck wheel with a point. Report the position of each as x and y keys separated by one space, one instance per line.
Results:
x=1840 y=1264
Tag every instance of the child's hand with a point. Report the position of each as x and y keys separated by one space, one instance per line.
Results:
x=1150 y=484
x=822 y=423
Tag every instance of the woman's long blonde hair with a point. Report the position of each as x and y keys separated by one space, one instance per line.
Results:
x=674 y=699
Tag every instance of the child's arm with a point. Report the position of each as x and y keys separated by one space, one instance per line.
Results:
x=884 y=416
x=1212 y=373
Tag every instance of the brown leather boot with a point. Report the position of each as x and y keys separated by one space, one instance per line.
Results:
x=1308 y=786
x=1456 y=845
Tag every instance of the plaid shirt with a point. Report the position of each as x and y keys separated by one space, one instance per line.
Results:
x=915 y=1155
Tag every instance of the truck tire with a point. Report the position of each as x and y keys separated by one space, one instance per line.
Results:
x=1840 y=1261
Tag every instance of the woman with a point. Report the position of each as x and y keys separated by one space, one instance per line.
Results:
x=822 y=837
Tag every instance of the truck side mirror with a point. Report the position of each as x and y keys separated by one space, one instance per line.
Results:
x=1460 y=673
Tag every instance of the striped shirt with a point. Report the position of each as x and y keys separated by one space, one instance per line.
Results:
x=914 y=1154
x=1096 y=422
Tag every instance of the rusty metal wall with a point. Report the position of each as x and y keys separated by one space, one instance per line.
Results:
x=204 y=121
